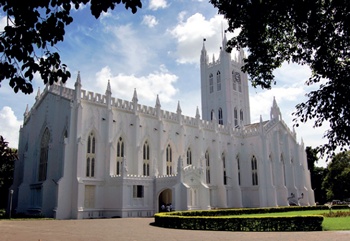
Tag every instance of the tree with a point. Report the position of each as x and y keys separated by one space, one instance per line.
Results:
x=311 y=32
x=336 y=182
x=27 y=44
x=7 y=158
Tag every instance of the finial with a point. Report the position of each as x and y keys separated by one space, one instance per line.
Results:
x=26 y=111
x=134 y=98
x=108 y=91
x=178 y=108
x=197 y=113
x=78 y=77
x=38 y=94
x=158 y=102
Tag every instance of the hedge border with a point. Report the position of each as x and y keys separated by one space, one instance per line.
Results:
x=218 y=220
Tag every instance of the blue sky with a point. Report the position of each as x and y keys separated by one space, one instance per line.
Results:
x=155 y=51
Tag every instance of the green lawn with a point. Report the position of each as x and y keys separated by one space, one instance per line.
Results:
x=329 y=224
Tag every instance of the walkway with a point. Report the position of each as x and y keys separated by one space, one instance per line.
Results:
x=134 y=229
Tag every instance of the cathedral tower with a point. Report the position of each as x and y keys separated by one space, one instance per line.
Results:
x=224 y=88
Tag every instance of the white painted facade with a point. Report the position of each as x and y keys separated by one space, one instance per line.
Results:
x=89 y=155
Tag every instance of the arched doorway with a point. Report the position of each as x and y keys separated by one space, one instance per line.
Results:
x=165 y=198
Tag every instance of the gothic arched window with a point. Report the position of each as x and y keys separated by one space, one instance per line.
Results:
x=239 y=170
x=235 y=115
x=221 y=122
x=169 y=164
x=120 y=155
x=241 y=116
x=207 y=166
x=146 y=162
x=234 y=82
x=211 y=83
x=189 y=156
x=218 y=81
x=254 y=171
x=223 y=158
x=90 y=156
x=44 y=154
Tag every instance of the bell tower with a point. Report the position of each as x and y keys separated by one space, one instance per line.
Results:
x=224 y=88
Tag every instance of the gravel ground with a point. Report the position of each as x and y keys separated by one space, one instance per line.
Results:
x=138 y=229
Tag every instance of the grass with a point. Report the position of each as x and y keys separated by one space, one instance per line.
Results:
x=329 y=223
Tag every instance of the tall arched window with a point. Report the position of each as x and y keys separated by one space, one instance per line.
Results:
x=189 y=156
x=235 y=115
x=169 y=164
x=223 y=158
x=90 y=156
x=218 y=81
x=272 y=169
x=212 y=113
x=234 y=82
x=239 y=170
x=221 y=121
x=146 y=161
x=120 y=155
x=284 y=170
x=241 y=116
x=211 y=83
x=44 y=154
x=254 y=171
x=207 y=164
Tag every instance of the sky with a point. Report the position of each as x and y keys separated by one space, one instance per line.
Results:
x=156 y=51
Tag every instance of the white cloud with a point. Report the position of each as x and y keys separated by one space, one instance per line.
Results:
x=261 y=102
x=9 y=127
x=190 y=32
x=134 y=53
x=156 y=4
x=150 y=21
x=159 y=82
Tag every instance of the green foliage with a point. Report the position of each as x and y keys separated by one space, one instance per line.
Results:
x=7 y=157
x=336 y=182
x=311 y=32
x=36 y=27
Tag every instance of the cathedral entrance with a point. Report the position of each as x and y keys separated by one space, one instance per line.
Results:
x=164 y=201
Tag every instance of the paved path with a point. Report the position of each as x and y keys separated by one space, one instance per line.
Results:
x=138 y=229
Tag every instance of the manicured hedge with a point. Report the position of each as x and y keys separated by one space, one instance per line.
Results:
x=220 y=220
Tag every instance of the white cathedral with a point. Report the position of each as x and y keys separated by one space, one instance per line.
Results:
x=89 y=155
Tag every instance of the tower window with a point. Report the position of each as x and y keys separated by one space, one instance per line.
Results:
x=238 y=80
x=169 y=165
x=146 y=161
x=235 y=115
x=234 y=82
x=189 y=156
x=120 y=155
x=218 y=81
x=211 y=83
x=221 y=122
